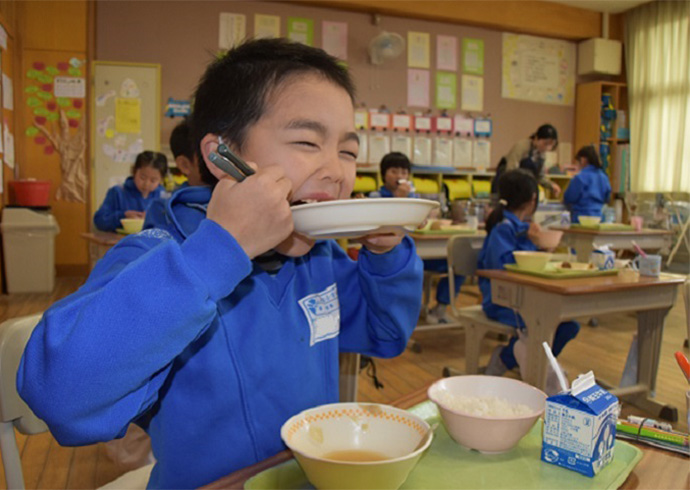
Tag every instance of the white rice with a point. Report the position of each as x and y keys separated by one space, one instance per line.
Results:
x=486 y=406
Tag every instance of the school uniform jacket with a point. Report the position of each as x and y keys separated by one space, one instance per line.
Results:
x=587 y=193
x=121 y=198
x=178 y=330
x=506 y=237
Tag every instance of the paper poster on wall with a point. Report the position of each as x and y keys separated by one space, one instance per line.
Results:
x=472 y=93
x=102 y=99
x=335 y=39
x=127 y=115
x=418 y=88
x=417 y=49
x=232 y=29
x=8 y=145
x=462 y=152
x=538 y=69
x=447 y=53
x=70 y=87
x=301 y=30
x=473 y=56
x=3 y=37
x=481 y=154
x=446 y=88
x=266 y=26
x=7 y=93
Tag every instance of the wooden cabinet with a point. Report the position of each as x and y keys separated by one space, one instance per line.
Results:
x=588 y=127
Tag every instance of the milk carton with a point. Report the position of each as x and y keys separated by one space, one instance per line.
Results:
x=603 y=258
x=580 y=427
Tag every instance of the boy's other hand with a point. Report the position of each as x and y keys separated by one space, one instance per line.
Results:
x=255 y=212
x=134 y=214
x=380 y=243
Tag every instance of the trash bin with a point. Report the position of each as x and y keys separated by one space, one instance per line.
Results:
x=28 y=238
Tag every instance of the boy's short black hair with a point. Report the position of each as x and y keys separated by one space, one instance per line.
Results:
x=394 y=159
x=181 y=141
x=234 y=90
x=151 y=159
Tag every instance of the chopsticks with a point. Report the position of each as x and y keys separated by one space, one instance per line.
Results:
x=230 y=163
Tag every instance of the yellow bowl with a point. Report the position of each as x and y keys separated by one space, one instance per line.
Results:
x=356 y=445
x=487 y=434
x=532 y=261
x=132 y=225
x=549 y=239
x=589 y=220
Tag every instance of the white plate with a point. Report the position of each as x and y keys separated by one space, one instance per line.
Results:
x=352 y=218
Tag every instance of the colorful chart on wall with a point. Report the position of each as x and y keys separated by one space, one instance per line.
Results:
x=126 y=121
x=538 y=69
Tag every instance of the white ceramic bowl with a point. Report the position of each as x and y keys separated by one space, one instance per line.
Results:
x=315 y=435
x=351 y=218
x=532 y=261
x=132 y=225
x=549 y=239
x=483 y=433
x=589 y=220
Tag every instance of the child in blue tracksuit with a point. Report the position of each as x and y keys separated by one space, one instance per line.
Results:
x=242 y=326
x=395 y=172
x=507 y=232
x=131 y=199
x=590 y=189
x=186 y=161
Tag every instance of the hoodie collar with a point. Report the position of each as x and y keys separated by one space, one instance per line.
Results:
x=192 y=197
x=520 y=226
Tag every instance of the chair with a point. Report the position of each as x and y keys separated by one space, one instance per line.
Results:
x=463 y=254
x=15 y=414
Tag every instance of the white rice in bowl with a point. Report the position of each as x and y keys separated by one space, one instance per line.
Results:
x=485 y=406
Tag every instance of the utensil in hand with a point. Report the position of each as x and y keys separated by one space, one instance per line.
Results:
x=684 y=364
x=638 y=249
x=554 y=365
x=226 y=160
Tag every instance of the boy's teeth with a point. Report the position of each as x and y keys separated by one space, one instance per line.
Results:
x=309 y=201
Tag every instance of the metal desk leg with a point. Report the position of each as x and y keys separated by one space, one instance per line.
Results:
x=349 y=375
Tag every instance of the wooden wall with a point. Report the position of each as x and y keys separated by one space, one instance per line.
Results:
x=50 y=32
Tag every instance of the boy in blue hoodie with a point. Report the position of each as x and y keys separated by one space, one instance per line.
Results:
x=131 y=199
x=508 y=230
x=243 y=325
x=590 y=189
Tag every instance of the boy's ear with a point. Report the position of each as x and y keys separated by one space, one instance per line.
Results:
x=209 y=144
x=183 y=163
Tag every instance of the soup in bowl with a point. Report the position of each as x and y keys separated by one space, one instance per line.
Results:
x=356 y=445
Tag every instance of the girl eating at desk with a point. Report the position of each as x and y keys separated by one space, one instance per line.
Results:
x=590 y=189
x=131 y=199
x=508 y=230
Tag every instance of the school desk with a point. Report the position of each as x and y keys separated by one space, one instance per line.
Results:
x=99 y=243
x=585 y=239
x=434 y=246
x=658 y=469
x=545 y=303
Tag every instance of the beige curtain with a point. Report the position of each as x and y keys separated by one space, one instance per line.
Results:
x=657 y=45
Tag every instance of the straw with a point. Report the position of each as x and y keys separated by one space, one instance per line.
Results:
x=638 y=249
x=554 y=365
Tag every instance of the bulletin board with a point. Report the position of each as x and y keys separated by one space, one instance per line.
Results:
x=126 y=112
x=538 y=69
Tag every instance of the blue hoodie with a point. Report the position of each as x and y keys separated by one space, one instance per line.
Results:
x=506 y=237
x=121 y=198
x=587 y=193
x=215 y=354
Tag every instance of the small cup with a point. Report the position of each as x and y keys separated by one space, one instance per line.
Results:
x=637 y=222
x=472 y=222
x=648 y=266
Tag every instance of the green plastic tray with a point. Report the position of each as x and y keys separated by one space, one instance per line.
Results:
x=446 y=465
x=605 y=227
x=549 y=273
x=446 y=232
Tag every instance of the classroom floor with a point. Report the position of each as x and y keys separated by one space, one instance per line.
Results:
x=603 y=349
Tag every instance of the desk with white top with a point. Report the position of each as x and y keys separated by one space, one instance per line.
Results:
x=545 y=303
